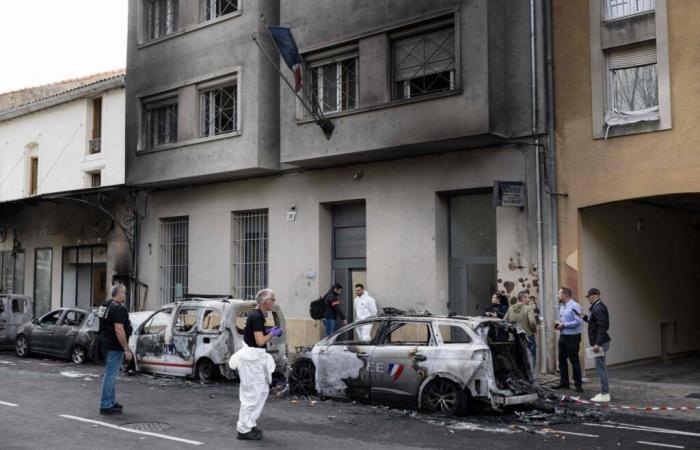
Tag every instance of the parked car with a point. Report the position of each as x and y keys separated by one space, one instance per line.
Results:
x=439 y=364
x=196 y=338
x=14 y=311
x=62 y=333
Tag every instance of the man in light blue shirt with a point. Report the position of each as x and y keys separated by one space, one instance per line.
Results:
x=569 y=325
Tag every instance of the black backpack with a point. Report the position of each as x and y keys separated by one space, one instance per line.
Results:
x=317 y=308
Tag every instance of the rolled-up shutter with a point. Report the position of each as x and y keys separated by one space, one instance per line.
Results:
x=424 y=54
x=640 y=56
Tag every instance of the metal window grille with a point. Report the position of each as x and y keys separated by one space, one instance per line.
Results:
x=250 y=252
x=160 y=122
x=220 y=110
x=424 y=63
x=334 y=86
x=216 y=8
x=95 y=146
x=174 y=232
x=623 y=8
x=162 y=17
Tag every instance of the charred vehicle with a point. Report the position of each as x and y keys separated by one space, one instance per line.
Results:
x=62 y=333
x=438 y=364
x=15 y=310
x=196 y=338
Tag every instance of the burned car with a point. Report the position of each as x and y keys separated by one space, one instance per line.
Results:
x=62 y=333
x=15 y=310
x=196 y=338
x=438 y=364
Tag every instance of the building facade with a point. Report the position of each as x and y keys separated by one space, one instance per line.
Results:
x=432 y=105
x=626 y=92
x=61 y=189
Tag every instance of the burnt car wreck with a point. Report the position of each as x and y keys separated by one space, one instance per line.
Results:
x=438 y=364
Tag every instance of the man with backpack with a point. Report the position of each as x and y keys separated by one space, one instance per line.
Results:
x=333 y=310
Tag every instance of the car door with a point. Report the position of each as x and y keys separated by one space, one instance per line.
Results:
x=66 y=332
x=43 y=331
x=397 y=359
x=179 y=355
x=4 y=321
x=342 y=362
x=150 y=344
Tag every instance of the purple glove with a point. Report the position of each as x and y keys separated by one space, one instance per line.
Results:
x=276 y=331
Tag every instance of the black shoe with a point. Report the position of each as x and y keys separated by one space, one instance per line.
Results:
x=110 y=411
x=252 y=435
x=561 y=386
x=117 y=405
x=579 y=389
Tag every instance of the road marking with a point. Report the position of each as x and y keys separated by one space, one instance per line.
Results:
x=657 y=444
x=575 y=434
x=128 y=430
x=8 y=404
x=639 y=428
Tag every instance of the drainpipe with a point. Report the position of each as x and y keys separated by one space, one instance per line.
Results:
x=538 y=181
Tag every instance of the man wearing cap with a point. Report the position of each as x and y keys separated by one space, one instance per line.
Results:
x=598 y=324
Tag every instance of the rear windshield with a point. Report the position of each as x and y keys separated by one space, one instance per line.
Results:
x=242 y=317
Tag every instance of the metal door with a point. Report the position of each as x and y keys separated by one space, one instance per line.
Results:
x=65 y=332
x=4 y=320
x=349 y=251
x=42 y=333
x=150 y=344
x=179 y=354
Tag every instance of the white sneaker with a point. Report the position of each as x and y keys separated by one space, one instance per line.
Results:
x=601 y=398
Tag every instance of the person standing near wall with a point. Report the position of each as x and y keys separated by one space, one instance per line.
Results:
x=335 y=317
x=598 y=337
x=115 y=329
x=524 y=314
x=499 y=306
x=569 y=326
x=365 y=306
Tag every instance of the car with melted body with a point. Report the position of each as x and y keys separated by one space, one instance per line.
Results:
x=15 y=311
x=438 y=364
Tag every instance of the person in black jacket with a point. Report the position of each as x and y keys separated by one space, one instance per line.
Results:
x=335 y=317
x=499 y=306
x=598 y=325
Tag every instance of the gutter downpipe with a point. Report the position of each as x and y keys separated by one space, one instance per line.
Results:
x=552 y=169
x=538 y=182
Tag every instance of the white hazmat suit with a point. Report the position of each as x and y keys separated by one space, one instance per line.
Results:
x=255 y=367
x=365 y=306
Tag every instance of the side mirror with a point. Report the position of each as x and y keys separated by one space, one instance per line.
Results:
x=35 y=321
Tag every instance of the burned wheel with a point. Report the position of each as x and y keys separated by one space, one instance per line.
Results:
x=206 y=370
x=445 y=397
x=77 y=355
x=302 y=378
x=22 y=346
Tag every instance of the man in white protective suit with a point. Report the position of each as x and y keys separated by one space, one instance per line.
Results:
x=254 y=366
x=365 y=306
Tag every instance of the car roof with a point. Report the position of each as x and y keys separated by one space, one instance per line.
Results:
x=209 y=302
x=472 y=320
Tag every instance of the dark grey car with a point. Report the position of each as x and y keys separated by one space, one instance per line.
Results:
x=63 y=333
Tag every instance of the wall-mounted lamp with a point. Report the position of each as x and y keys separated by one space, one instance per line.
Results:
x=150 y=248
x=640 y=224
x=292 y=212
x=358 y=174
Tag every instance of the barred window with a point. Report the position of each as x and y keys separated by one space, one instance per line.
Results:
x=624 y=8
x=160 y=122
x=334 y=85
x=174 y=237
x=250 y=252
x=211 y=9
x=220 y=110
x=161 y=16
x=424 y=63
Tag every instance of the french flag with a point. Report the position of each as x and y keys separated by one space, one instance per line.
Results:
x=395 y=371
x=282 y=36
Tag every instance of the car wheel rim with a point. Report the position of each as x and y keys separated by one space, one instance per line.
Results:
x=301 y=380
x=441 y=397
x=78 y=355
x=205 y=371
x=21 y=347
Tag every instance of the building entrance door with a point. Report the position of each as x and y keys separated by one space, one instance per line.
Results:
x=349 y=251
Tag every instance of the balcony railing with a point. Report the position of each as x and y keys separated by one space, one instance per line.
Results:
x=623 y=8
x=95 y=146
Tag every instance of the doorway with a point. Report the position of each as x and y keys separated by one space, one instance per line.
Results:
x=349 y=247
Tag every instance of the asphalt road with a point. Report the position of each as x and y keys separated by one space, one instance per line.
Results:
x=47 y=404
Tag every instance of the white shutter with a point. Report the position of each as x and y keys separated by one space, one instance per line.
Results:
x=640 y=56
x=424 y=54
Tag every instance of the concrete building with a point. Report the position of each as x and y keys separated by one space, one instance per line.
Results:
x=626 y=77
x=61 y=189
x=432 y=104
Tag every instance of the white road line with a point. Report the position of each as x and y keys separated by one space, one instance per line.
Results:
x=8 y=404
x=128 y=430
x=649 y=430
x=657 y=444
x=575 y=434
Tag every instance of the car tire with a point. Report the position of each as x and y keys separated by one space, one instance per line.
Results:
x=443 y=396
x=22 y=346
x=206 y=370
x=302 y=378
x=78 y=355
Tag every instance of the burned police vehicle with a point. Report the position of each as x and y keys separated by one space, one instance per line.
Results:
x=438 y=364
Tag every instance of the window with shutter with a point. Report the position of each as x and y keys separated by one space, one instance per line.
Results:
x=632 y=83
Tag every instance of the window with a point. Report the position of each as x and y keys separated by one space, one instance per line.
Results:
x=33 y=175
x=18 y=306
x=335 y=84
x=351 y=335
x=250 y=248
x=95 y=144
x=158 y=322
x=271 y=320
x=160 y=122
x=623 y=8
x=43 y=259
x=452 y=334
x=408 y=333
x=51 y=318
x=424 y=63
x=84 y=276
x=174 y=235
x=12 y=272
x=211 y=9
x=633 y=93
x=211 y=321
x=220 y=110
x=95 y=179
x=73 y=318
x=161 y=16
x=186 y=320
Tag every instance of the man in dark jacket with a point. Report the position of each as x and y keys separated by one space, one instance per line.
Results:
x=598 y=324
x=333 y=309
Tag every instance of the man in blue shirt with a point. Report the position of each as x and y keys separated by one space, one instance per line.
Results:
x=569 y=325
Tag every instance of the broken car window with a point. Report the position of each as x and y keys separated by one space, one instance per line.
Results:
x=242 y=317
x=17 y=305
x=51 y=318
x=355 y=334
x=453 y=334
x=158 y=322
x=73 y=318
x=211 y=321
x=408 y=333
x=186 y=320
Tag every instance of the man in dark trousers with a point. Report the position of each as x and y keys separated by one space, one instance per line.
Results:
x=115 y=329
x=569 y=326
x=598 y=325
x=335 y=317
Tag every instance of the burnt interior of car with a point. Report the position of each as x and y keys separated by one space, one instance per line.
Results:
x=511 y=363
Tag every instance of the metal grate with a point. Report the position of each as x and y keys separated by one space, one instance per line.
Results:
x=211 y=9
x=219 y=110
x=160 y=122
x=250 y=252
x=623 y=8
x=162 y=17
x=334 y=86
x=95 y=145
x=174 y=235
